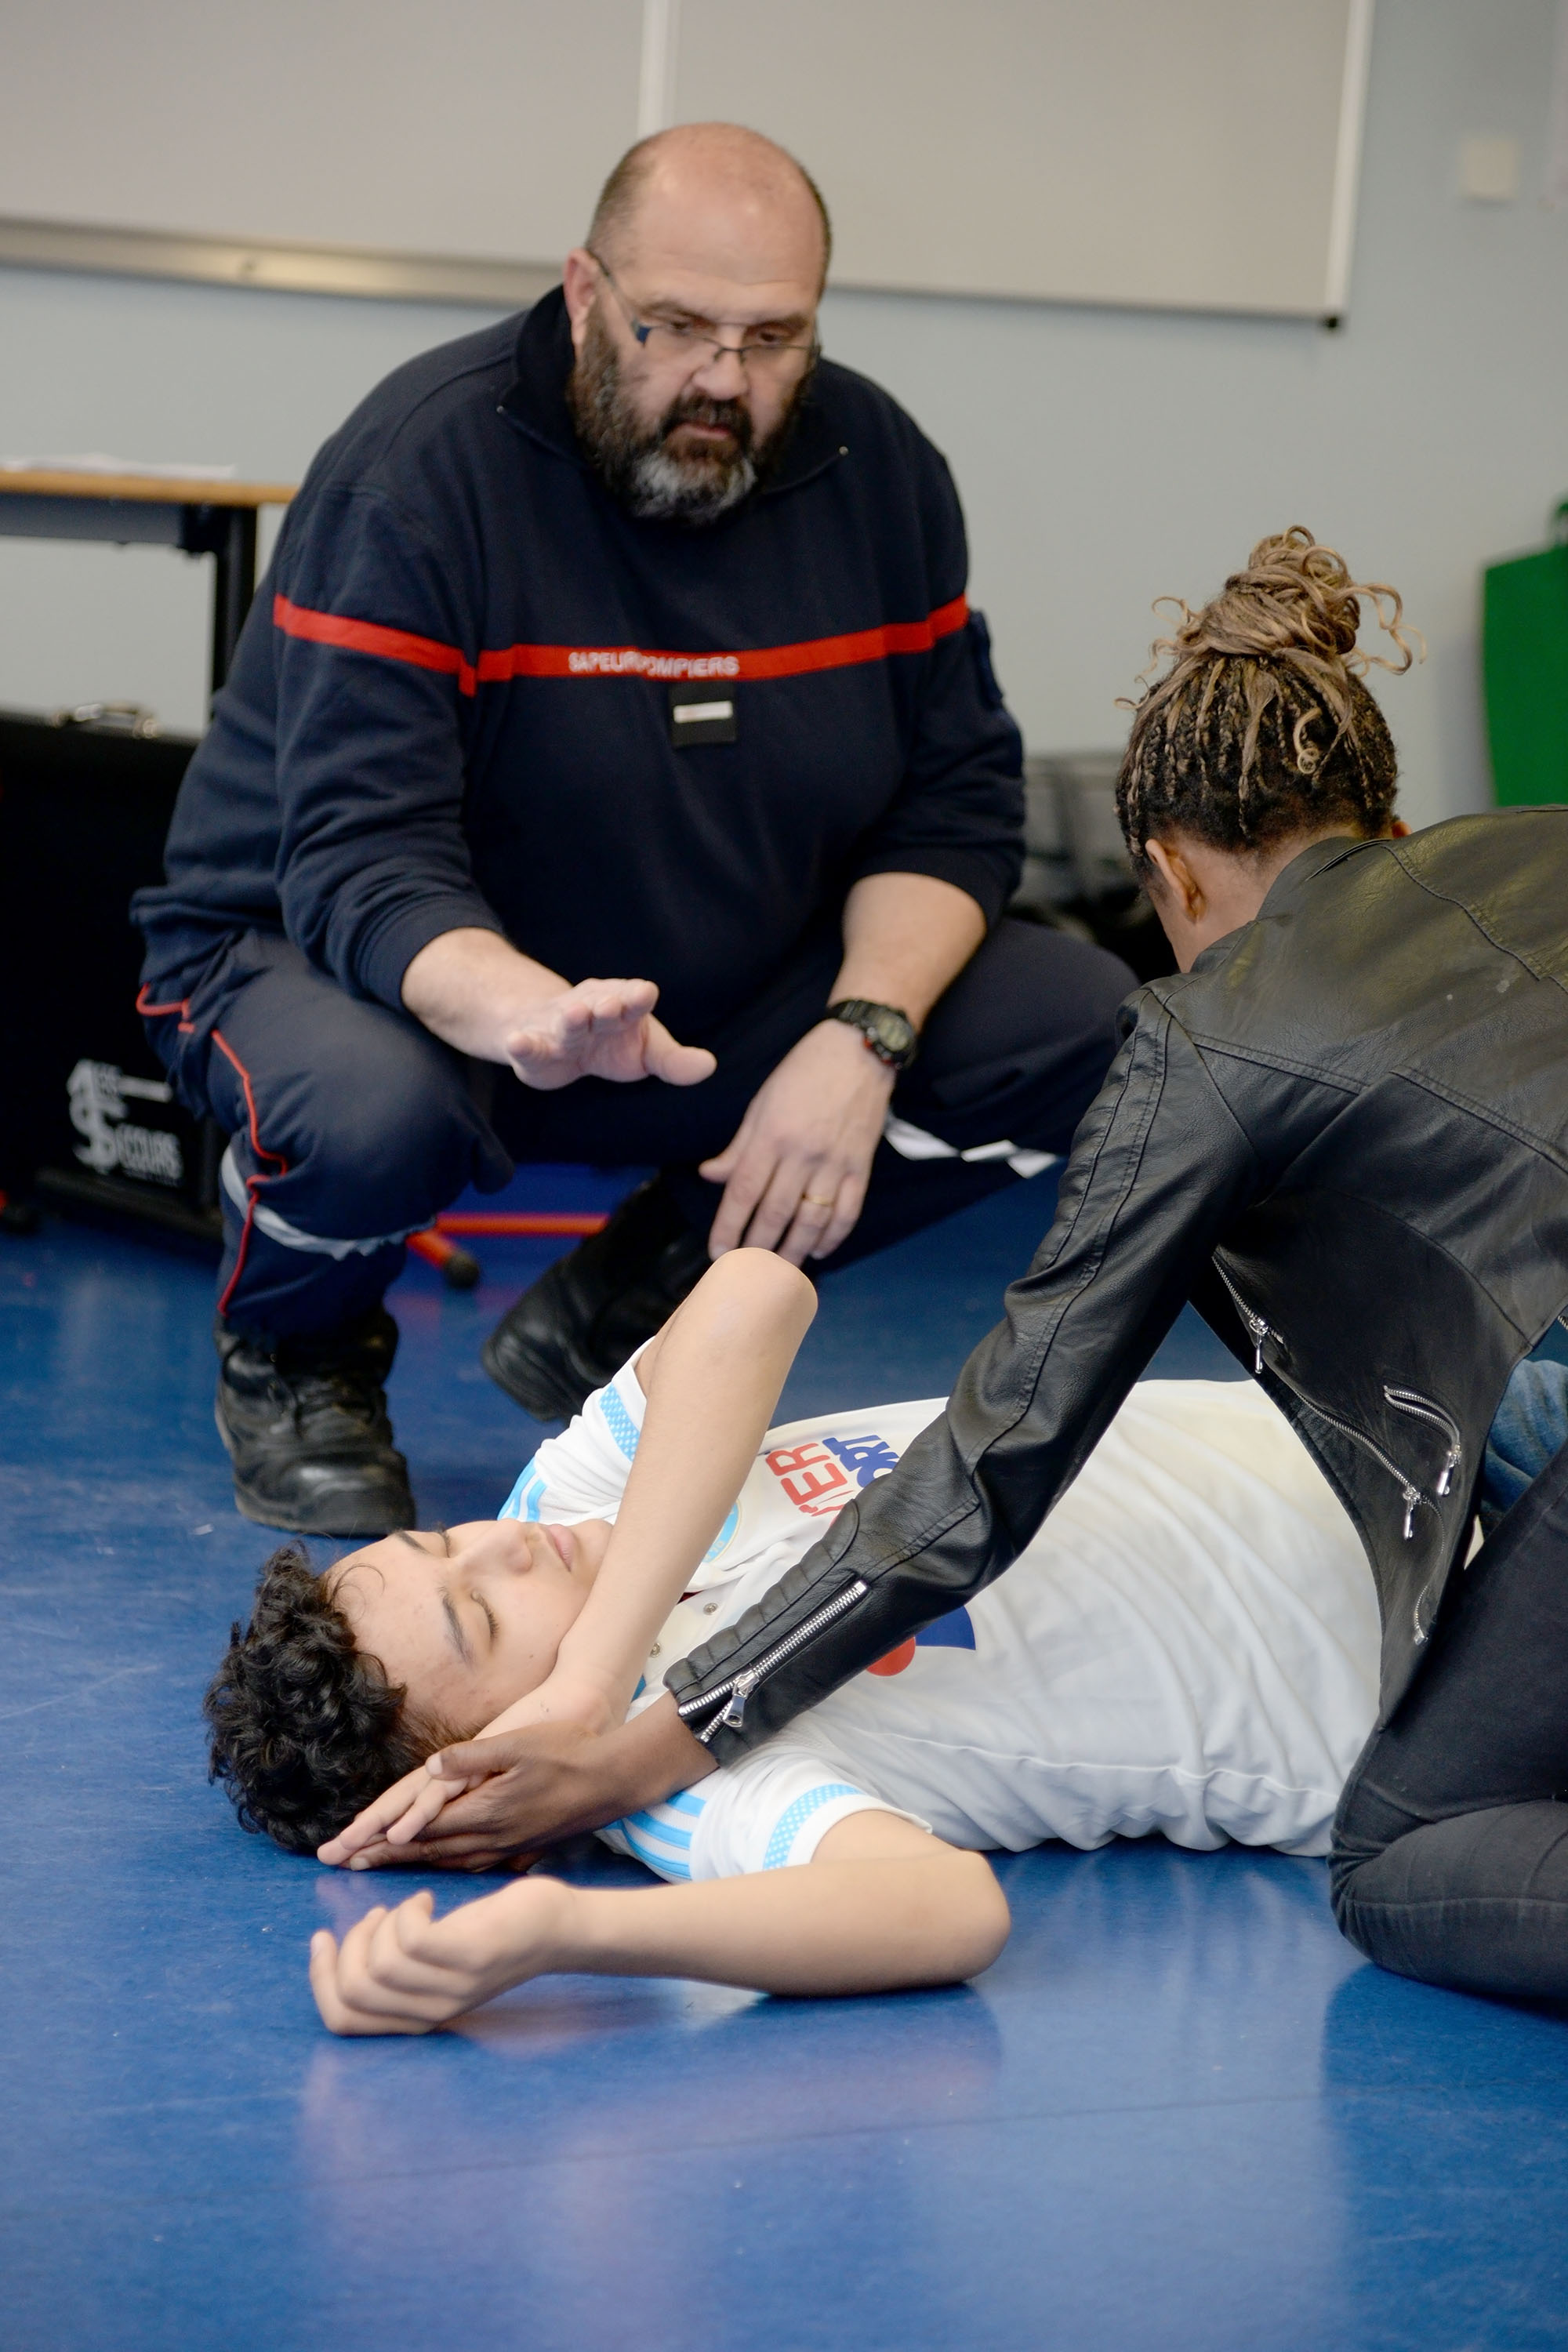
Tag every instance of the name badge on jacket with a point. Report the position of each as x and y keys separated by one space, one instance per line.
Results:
x=702 y=714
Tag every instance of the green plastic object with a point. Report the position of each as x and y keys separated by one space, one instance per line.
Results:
x=1524 y=638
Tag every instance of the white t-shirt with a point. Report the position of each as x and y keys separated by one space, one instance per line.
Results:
x=1190 y=1645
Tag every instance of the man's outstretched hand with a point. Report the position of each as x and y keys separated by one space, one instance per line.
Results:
x=601 y=1029
x=475 y=991
x=528 y=1790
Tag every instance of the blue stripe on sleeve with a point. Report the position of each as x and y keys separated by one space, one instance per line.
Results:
x=512 y=1506
x=672 y=1865
x=724 y=1534
x=658 y=1840
x=619 y=1423
x=654 y=1828
x=787 y=1827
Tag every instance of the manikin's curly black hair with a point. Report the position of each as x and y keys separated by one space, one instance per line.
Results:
x=306 y=1729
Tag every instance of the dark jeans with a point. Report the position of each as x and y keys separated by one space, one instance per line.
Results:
x=1451 y=1859
x=353 y=1126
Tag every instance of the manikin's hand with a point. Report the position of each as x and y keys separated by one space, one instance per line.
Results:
x=795 y=1176
x=406 y=1971
x=402 y=1814
x=601 y=1029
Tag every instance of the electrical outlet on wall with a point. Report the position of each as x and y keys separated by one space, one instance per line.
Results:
x=1488 y=168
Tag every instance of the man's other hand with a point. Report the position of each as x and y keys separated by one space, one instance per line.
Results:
x=601 y=1029
x=795 y=1176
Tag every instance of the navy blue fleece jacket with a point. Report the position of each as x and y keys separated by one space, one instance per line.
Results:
x=450 y=703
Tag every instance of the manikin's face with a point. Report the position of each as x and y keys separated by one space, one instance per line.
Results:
x=471 y=1618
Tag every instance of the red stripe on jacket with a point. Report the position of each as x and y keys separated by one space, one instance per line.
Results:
x=619 y=661
x=370 y=637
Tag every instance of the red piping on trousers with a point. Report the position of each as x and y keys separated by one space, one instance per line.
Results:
x=221 y=1042
x=507 y=661
x=151 y=1011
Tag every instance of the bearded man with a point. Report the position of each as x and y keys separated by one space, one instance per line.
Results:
x=628 y=638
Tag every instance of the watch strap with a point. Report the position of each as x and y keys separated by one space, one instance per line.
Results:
x=875 y=1021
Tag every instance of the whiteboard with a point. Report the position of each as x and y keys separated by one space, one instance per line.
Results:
x=1176 y=154
x=481 y=128
x=1185 y=154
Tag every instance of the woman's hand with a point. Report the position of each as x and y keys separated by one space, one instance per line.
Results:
x=528 y=1790
x=406 y=1971
x=372 y=1826
x=402 y=1814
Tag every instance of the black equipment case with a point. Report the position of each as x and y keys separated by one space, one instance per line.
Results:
x=87 y=1119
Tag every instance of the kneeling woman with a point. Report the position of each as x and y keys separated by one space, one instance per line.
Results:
x=1343 y=1131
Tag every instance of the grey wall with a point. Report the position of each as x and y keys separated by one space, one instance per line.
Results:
x=1104 y=457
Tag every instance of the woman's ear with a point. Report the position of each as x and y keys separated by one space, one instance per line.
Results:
x=1179 y=886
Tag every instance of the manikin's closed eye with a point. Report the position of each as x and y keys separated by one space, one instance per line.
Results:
x=404 y=1536
x=455 y=1633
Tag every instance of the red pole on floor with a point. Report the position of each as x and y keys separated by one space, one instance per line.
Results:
x=523 y=1221
x=458 y=1269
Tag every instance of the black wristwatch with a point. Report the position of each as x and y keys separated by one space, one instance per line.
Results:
x=890 y=1035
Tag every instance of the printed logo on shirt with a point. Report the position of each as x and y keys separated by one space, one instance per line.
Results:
x=820 y=1476
x=954 y=1631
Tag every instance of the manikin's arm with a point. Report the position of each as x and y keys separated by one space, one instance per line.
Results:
x=713 y=1379
x=882 y=1906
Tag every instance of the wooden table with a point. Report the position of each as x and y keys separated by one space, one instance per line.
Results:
x=203 y=517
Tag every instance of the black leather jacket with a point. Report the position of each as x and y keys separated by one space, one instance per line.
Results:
x=1344 y=1135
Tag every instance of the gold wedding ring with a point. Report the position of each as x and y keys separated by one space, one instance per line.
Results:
x=810 y=1201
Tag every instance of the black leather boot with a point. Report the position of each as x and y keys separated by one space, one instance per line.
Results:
x=575 y=1328
x=306 y=1428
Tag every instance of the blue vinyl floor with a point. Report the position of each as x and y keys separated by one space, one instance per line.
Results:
x=1178 y=2112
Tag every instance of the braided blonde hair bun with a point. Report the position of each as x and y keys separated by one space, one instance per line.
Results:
x=1262 y=726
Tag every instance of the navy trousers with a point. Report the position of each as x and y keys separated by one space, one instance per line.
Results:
x=353 y=1126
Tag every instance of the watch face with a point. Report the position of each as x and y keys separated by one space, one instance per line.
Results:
x=892 y=1032
x=887 y=1031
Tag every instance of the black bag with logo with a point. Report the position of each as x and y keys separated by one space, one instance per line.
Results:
x=87 y=1119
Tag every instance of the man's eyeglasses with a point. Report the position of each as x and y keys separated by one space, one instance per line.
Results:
x=766 y=349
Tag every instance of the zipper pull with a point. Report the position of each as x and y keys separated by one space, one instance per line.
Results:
x=1411 y=1499
x=734 y=1714
x=1256 y=1331
x=1446 y=1476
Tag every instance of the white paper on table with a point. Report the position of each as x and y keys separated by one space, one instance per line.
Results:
x=95 y=462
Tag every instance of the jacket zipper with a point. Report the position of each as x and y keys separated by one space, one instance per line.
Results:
x=1410 y=1491
x=1422 y=1408
x=1257 y=1327
x=739 y=1688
